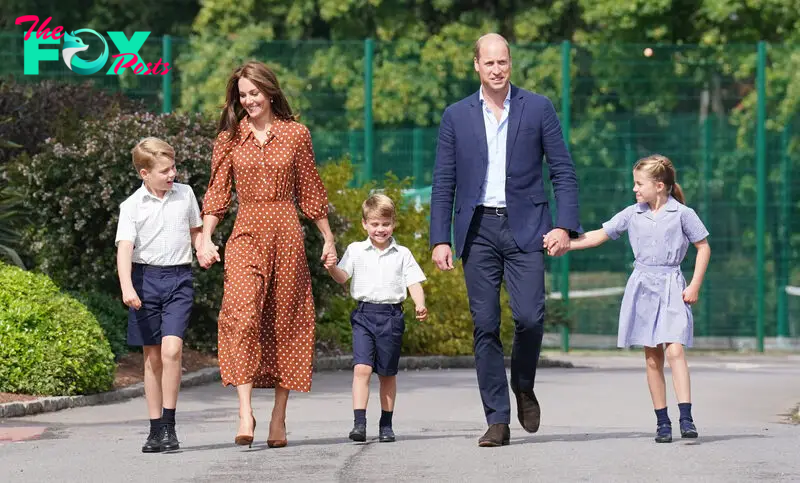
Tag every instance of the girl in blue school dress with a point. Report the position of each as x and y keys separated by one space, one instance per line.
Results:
x=655 y=310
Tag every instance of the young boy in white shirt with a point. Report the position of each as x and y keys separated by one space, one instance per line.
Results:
x=157 y=227
x=381 y=270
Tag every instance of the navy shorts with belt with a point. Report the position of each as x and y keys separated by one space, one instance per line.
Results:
x=378 y=336
x=167 y=294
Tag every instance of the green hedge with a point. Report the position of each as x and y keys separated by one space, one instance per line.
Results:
x=50 y=344
x=112 y=315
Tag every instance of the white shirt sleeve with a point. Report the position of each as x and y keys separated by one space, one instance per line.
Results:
x=346 y=262
x=194 y=210
x=126 y=227
x=412 y=273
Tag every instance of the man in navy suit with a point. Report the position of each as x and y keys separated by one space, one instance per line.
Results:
x=489 y=167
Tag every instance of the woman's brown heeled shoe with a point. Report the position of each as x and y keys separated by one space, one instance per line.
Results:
x=278 y=443
x=244 y=439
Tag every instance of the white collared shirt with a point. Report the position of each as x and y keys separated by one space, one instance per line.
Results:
x=159 y=228
x=380 y=276
x=494 y=186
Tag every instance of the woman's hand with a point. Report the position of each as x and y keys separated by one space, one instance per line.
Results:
x=207 y=254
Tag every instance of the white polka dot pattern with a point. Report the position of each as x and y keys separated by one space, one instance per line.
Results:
x=266 y=323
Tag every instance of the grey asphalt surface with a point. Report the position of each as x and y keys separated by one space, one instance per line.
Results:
x=597 y=425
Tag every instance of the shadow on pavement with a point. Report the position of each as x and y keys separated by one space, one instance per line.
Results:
x=580 y=437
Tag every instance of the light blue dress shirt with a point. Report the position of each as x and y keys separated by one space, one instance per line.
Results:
x=494 y=186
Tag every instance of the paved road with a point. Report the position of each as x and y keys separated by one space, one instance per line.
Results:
x=597 y=426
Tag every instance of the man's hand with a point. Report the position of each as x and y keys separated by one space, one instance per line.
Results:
x=556 y=242
x=443 y=256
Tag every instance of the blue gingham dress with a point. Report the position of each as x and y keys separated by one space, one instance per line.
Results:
x=653 y=310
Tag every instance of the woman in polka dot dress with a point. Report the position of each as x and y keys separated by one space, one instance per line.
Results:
x=266 y=323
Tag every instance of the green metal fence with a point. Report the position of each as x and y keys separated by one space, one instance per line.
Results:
x=724 y=114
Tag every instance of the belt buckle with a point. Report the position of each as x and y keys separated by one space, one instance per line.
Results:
x=498 y=210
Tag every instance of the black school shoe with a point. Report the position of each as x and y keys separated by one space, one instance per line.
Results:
x=359 y=433
x=688 y=430
x=386 y=435
x=153 y=443
x=664 y=433
x=169 y=439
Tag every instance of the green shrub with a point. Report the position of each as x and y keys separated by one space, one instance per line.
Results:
x=32 y=112
x=112 y=315
x=50 y=344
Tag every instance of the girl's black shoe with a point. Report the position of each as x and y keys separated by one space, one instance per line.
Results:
x=688 y=430
x=664 y=433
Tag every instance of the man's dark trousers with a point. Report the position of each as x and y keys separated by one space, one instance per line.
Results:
x=490 y=257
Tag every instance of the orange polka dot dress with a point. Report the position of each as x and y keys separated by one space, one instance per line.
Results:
x=266 y=322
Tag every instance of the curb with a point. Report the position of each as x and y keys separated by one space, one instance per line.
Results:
x=211 y=374
x=57 y=403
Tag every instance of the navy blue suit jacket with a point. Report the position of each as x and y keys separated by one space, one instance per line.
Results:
x=534 y=131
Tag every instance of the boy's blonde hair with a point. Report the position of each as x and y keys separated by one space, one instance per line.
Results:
x=378 y=206
x=148 y=150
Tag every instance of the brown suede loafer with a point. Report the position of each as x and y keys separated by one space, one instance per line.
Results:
x=528 y=411
x=496 y=435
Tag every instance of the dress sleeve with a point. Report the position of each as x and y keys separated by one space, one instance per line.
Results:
x=218 y=195
x=618 y=225
x=308 y=188
x=692 y=226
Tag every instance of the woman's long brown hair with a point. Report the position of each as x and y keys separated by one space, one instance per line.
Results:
x=266 y=82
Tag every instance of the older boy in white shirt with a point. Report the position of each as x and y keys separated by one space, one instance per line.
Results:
x=157 y=227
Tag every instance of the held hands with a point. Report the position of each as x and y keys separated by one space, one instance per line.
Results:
x=556 y=242
x=131 y=298
x=329 y=258
x=421 y=312
x=691 y=294
x=207 y=254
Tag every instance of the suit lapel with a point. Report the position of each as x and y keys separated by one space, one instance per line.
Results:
x=479 y=127
x=517 y=106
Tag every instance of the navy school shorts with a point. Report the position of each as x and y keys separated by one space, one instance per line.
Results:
x=167 y=294
x=378 y=336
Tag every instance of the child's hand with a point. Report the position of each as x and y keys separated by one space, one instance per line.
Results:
x=690 y=294
x=131 y=299
x=208 y=255
x=422 y=312
x=330 y=261
x=551 y=251
x=550 y=248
